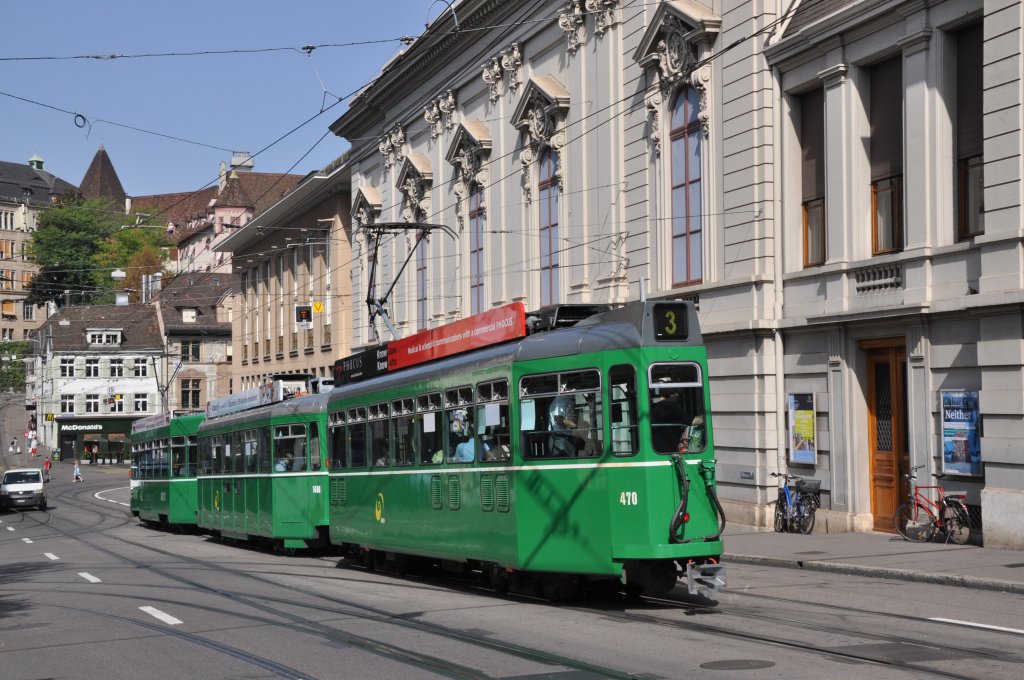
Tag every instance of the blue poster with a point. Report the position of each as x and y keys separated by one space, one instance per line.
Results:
x=961 y=440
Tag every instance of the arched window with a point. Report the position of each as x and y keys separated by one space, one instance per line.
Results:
x=687 y=237
x=547 y=191
x=477 y=221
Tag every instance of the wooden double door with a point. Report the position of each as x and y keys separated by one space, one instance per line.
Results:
x=887 y=426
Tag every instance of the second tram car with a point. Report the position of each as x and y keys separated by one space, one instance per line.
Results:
x=262 y=475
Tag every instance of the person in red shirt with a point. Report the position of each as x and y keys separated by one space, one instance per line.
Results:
x=46 y=469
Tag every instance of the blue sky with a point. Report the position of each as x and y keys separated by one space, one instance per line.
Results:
x=234 y=101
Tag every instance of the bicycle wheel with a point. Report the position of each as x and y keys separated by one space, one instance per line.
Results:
x=780 y=515
x=914 y=526
x=956 y=525
x=805 y=518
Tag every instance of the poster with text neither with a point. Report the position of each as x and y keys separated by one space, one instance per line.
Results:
x=961 y=440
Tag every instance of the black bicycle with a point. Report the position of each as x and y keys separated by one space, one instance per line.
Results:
x=795 y=507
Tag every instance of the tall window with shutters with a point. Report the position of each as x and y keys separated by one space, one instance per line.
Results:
x=812 y=175
x=969 y=158
x=687 y=222
x=886 y=119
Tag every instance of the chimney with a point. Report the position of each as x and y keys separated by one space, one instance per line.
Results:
x=241 y=161
x=155 y=283
x=36 y=162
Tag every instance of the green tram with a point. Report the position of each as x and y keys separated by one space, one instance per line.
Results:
x=580 y=453
x=262 y=476
x=163 y=470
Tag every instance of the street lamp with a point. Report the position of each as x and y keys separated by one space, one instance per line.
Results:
x=121 y=297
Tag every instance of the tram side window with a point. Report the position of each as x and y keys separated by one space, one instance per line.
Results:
x=290 y=448
x=251 y=450
x=460 y=427
x=403 y=415
x=492 y=417
x=357 y=437
x=677 y=408
x=204 y=462
x=226 y=459
x=263 y=456
x=336 y=450
x=179 y=467
x=380 y=444
x=216 y=453
x=192 y=455
x=428 y=416
x=314 y=446
x=561 y=415
x=625 y=429
x=237 y=448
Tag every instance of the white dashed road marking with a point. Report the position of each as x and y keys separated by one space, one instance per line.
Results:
x=156 y=613
x=88 y=577
x=27 y=540
x=10 y=528
x=971 y=624
x=51 y=556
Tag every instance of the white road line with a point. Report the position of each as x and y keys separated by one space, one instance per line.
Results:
x=27 y=540
x=156 y=613
x=51 y=556
x=99 y=496
x=10 y=528
x=88 y=577
x=1018 y=631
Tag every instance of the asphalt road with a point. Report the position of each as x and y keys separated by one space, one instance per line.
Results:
x=87 y=592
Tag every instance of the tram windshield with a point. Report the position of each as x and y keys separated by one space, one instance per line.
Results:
x=677 y=408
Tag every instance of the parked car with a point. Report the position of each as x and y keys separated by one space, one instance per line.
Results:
x=23 y=487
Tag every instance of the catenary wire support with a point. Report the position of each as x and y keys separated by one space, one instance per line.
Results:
x=377 y=306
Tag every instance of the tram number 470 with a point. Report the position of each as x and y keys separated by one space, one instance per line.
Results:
x=628 y=498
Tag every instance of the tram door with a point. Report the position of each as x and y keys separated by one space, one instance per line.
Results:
x=887 y=427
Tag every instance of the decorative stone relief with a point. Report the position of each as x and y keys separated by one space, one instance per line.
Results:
x=440 y=114
x=492 y=76
x=364 y=212
x=677 y=61
x=415 y=186
x=604 y=14
x=570 y=20
x=469 y=160
x=543 y=124
x=512 y=64
x=653 y=104
x=391 y=147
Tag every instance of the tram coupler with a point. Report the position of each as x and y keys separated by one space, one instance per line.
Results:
x=704 y=579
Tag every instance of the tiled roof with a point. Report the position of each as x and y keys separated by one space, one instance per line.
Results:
x=178 y=208
x=256 y=190
x=19 y=182
x=197 y=291
x=101 y=179
x=137 y=323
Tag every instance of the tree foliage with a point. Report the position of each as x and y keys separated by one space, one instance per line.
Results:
x=80 y=242
x=67 y=237
x=12 y=366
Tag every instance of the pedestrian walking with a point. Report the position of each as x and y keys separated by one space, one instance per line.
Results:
x=78 y=472
x=47 y=464
x=10 y=449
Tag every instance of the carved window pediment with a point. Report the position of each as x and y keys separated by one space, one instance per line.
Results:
x=366 y=205
x=415 y=179
x=540 y=116
x=468 y=154
x=671 y=39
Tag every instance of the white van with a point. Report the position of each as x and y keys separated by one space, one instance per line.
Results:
x=23 y=487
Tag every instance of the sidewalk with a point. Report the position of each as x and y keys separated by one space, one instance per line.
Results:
x=878 y=555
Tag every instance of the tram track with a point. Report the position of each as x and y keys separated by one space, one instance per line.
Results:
x=328 y=604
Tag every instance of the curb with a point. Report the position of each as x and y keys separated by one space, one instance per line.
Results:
x=975 y=582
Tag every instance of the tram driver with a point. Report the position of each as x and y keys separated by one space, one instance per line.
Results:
x=563 y=423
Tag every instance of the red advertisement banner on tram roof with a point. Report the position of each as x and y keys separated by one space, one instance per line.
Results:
x=487 y=328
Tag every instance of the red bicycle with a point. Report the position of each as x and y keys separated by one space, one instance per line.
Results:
x=929 y=509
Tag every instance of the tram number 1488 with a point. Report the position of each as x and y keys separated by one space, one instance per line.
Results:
x=627 y=498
